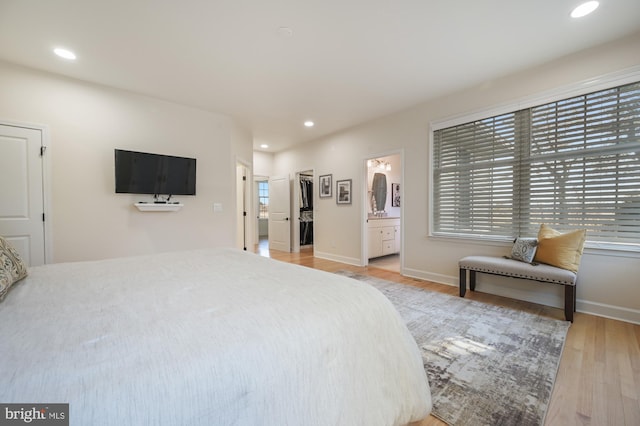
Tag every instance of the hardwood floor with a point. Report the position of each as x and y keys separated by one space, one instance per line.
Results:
x=598 y=380
x=390 y=262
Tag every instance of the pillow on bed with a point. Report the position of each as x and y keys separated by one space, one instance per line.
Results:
x=558 y=249
x=524 y=249
x=12 y=268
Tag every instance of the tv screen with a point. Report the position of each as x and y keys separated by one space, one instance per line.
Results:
x=146 y=173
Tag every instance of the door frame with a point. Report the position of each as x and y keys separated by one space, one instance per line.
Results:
x=46 y=182
x=364 y=241
x=244 y=191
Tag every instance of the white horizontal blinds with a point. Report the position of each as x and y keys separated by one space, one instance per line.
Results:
x=573 y=163
x=585 y=165
x=474 y=177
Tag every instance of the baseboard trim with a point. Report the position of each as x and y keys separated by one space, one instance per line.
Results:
x=328 y=256
x=547 y=298
x=429 y=276
x=609 y=311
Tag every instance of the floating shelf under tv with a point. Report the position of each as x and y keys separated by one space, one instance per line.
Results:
x=153 y=207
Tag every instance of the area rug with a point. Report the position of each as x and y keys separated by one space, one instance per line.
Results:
x=486 y=364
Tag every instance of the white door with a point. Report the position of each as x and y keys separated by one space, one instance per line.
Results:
x=21 y=192
x=241 y=210
x=279 y=214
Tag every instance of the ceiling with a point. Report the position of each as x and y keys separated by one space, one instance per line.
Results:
x=337 y=62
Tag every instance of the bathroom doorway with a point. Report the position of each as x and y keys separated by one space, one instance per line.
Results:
x=382 y=224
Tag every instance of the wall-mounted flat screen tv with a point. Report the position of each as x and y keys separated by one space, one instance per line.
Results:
x=146 y=173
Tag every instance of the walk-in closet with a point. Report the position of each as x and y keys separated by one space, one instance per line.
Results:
x=306 y=209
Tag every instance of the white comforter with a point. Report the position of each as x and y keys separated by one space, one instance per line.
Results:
x=208 y=337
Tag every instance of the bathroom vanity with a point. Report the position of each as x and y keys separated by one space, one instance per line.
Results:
x=384 y=236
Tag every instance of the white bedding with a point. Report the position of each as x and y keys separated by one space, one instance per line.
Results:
x=208 y=337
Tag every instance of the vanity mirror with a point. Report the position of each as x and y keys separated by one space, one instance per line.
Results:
x=379 y=190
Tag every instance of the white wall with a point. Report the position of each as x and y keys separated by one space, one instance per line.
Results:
x=608 y=285
x=86 y=122
x=262 y=164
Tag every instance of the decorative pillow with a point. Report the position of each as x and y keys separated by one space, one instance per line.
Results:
x=524 y=249
x=558 y=249
x=12 y=269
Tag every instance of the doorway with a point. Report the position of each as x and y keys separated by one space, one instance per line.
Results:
x=383 y=230
x=261 y=212
x=303 y=206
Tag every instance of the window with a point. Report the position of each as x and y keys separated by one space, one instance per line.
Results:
x=263 y=199
x=573 y=163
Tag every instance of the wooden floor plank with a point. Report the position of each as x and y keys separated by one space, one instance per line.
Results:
x=582 y=338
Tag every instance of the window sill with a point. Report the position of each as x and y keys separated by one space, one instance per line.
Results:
x=591 y=247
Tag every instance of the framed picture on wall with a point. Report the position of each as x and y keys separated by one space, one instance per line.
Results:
x=343 y=191
x=325 y=185
x=395 y=195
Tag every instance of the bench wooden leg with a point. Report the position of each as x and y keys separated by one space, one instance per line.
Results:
x=472 y=280
x=463 y=282
x=569 y=301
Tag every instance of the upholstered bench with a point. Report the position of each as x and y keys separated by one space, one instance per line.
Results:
x=517 y=269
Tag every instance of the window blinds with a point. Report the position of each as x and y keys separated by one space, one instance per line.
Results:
x=573 y=163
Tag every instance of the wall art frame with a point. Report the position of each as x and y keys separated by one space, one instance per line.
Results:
x=343 y=191
x=325 y=186
x=395 y=195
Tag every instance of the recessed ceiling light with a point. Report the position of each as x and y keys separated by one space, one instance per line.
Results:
x=64 y=53
x=584 y=9
x=264 y=145
x=309 y=123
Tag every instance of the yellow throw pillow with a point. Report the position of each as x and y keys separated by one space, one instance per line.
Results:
x=558 y=249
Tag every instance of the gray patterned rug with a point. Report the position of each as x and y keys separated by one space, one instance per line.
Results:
x=487 y=365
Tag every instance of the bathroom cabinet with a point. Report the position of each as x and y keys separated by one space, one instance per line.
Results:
x=384 y=236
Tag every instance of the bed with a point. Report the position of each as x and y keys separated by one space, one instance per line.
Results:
x=208 y=337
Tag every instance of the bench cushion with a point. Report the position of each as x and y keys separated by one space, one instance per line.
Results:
x=515 y=268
